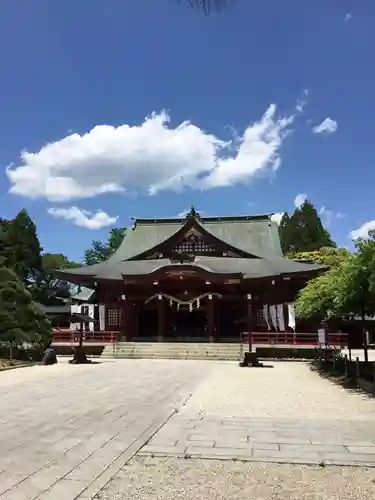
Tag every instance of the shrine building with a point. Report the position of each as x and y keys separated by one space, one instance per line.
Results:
x=201 y=279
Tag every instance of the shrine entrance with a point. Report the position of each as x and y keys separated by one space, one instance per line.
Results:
x=184 y=318
x=187 y=325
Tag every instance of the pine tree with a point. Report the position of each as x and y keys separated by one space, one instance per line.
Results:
x=21 y=248
x=3 y=227
x=21 y=321
x=304 y=231
x=47 y=289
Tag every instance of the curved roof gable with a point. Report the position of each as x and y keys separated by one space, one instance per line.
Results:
x=253 y=236
x=256 y=236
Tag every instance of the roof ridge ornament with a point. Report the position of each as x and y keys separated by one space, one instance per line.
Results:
x=192 y=213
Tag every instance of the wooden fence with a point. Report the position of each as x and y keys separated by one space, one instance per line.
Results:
x=363 y=373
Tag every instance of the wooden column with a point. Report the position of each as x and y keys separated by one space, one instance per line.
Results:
x=134 y=319
x=125 y=318
x=211 y=319
x=249 y=320
x=161 y=318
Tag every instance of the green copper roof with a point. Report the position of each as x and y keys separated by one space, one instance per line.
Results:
x=254 y=235
x=257 y=237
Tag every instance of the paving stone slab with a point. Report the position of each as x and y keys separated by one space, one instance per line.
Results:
x=202 y=443
x=83 y=423
x=302 y=448
x=307 y=442
x=227 y=453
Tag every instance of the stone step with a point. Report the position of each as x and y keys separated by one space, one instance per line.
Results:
x=151 y=349
x=168 y=356
x=198 y=351
x=161 y=350
x=213 y=345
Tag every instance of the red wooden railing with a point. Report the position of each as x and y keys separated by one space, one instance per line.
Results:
x=298 y=339
x=72 y=336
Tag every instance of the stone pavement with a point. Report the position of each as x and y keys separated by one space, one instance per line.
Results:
x=66 y=430
x=285 y=414
x=331 y=442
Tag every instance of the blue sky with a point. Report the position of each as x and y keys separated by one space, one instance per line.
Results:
x=111 y=110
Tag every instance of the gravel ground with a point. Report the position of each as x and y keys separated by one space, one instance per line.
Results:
x=179 y=479
x=288 y=390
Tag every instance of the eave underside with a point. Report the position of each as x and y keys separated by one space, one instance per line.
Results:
x=224 y=267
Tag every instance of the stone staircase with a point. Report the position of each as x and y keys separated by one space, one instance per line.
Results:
x=176 y=350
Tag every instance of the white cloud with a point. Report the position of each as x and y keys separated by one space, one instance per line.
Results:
x=329 y=215
x=301 y=103
x=184 y=212
x=277 y=217
x=300 y=200
x=362 y=232
x=152 y=157
x=347 y=17
x=84 y=218
x=328 y=126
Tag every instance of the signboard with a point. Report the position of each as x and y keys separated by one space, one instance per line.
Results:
x=179 y=273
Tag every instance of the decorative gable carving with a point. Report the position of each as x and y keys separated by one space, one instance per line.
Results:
x=191 y=244
x=194 y=243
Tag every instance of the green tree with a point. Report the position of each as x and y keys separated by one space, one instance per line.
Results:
x=303 y=231
x=21 y=249
x=47 y=289
x=99 y=251
x=285 y=231
x=21 y=321
x=329 y=256
x=3 y=227
x=356 y=293
x=347 y=288
x=318 y=297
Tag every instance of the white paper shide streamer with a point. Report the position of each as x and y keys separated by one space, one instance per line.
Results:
x=266 y=316
x=101 y=317
x=273 y=316
x=292 y=317
x=74 y=309
x=280 y=317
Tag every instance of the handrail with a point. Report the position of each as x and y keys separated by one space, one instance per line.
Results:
x=72 y=336
x=66 y=336
x=299 y=338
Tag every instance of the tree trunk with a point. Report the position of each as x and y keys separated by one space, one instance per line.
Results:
x=80 y=335
x=365 y=346
x=79 y=354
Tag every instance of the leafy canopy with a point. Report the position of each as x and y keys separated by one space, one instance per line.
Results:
x=329 y=256
x=347 y=288
x=20 y=248
x=303 y=231
x=21 y=321
x=99 y=251
x=47 y=289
